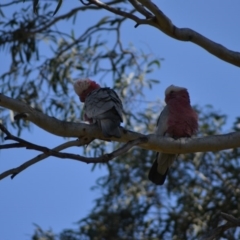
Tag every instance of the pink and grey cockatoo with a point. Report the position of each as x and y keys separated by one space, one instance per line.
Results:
x=178 y=119
x=102 y=106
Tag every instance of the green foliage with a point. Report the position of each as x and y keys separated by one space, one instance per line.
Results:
x=198 y=187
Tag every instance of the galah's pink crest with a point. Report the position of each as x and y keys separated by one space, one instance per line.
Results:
x=178 y=119
x=102 y=106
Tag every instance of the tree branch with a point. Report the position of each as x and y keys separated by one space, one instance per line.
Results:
x=10 y=3
x=55 y=152
x=185 y=34
x=218 y=232
x=160 y=21
x=11 y=145
x=140 y=9
x=55 y=126
x=89 y=132
x=38 y=158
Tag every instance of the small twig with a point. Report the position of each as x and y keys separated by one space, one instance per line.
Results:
x=231 y=219
x=40 y=157
x=217 y=232
x=11 y=145
x=14 y=171
x=86 y=4
x=23 y=142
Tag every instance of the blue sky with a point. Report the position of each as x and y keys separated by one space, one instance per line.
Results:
x=56 y=193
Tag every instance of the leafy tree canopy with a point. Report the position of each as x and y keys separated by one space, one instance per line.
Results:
x=188 y=205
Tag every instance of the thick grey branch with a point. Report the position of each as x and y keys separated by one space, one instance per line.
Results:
x=89 y=132
x=57 y=127
x=164 y=24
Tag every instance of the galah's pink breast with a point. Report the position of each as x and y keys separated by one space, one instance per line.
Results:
x=182 y=121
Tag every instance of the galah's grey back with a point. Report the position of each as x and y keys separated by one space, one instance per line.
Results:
x=163 y=161
x=104 y=107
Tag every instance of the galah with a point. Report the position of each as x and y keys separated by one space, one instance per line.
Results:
x=178 y=119
x=102 y=106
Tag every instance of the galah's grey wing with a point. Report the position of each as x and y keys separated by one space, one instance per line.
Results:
x=104 y=107
x=163 y=161
x=162 y=122
x=101 y=101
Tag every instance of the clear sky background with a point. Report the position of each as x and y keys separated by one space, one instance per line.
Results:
x=56 y=193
